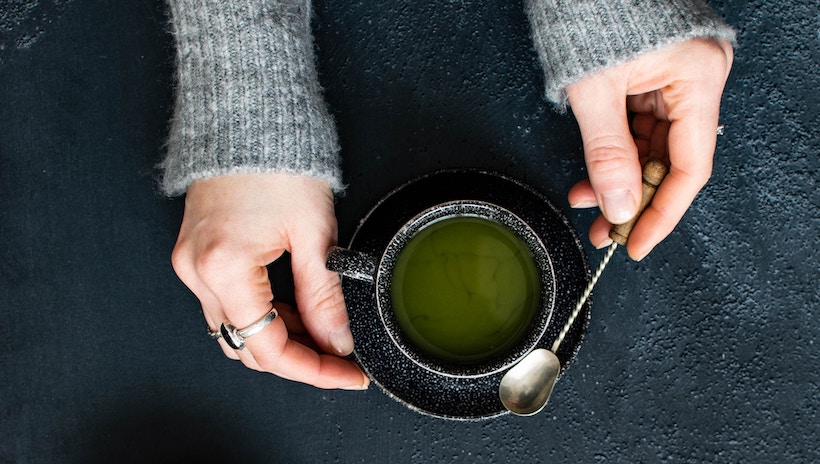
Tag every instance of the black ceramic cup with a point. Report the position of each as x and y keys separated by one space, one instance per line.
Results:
x=459 y=396
x=380 y=271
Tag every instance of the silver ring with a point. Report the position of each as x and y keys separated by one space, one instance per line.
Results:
x=214 y=334
x=235 y=338
x=720 y=129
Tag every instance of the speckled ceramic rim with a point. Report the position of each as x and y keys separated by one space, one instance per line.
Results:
x=490 y=212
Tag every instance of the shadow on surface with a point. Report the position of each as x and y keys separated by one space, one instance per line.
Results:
x=169 y=433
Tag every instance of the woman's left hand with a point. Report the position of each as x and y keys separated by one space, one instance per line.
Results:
x=674 y=96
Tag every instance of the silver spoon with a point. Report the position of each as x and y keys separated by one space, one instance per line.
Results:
x=527 y=386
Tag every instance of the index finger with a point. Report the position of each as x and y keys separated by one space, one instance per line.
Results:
x=691 y=147
x=243 y=290
x=274 y=352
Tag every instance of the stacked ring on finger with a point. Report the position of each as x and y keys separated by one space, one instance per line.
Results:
x=235 y=338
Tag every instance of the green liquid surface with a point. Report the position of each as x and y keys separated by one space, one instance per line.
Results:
x=465 y=289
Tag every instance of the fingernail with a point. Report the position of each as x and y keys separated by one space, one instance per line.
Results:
x=644 y=255
x=619 y=206
x=604 y=244
x=363 y=386
x=584 y=204
x=341 y=340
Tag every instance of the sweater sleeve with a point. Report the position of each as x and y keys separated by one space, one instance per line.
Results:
x=577 y=38
x=248 y=98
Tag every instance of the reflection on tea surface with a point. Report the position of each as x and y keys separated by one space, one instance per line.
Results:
x=465 y=289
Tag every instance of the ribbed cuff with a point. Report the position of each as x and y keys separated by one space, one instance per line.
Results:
x=247 y=94
x=577 y=38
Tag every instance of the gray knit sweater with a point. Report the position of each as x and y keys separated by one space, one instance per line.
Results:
x=248 y=98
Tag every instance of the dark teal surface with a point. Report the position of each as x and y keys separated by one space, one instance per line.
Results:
x=703 y=352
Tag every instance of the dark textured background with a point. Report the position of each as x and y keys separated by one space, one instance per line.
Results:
x=703 y=352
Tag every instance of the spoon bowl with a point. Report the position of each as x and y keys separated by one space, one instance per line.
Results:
x=527 y=386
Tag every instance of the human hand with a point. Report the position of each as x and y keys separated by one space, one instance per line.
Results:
x=674 y=97
x=233 y=227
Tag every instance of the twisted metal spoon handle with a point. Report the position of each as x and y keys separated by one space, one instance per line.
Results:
x=584 y=296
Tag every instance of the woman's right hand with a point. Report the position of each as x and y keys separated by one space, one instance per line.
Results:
x=233 y=227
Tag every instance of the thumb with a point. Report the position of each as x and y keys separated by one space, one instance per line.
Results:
x=319 y=296
x=599 y=105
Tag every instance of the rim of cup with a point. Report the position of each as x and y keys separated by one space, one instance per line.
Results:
x=487 y=211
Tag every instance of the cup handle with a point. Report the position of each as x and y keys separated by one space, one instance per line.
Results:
x=353 y=264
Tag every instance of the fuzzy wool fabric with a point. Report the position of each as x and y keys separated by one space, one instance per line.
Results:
x=578 y=38
x=248 y=98
x=247 y=94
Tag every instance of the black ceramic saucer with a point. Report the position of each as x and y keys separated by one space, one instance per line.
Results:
x=406 y=381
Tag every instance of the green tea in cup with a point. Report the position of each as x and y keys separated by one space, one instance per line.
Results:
x=465 y=289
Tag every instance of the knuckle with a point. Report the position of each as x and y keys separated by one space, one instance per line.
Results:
x=330 y=294
x=715 y=65
x=699 y=175
x=212 y=260
x=714 y=59
x=270 y=359
x=608 y=153
x=201 y=257
x=700 y=178
x=182 y=262
x=327 y=296
x=607 y=148
x=267 y=363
